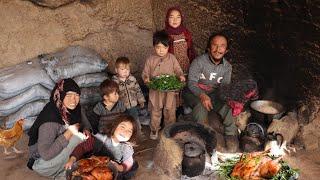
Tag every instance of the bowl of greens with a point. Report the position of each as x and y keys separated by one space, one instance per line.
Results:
x=166 y=83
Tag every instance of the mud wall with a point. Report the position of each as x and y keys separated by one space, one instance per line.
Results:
x=113 y=28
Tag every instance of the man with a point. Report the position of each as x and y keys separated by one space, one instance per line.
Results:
x=207 y=72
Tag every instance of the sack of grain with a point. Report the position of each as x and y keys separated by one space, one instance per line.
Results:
x=28 y=122
x=19 y=78
x=89 y=80
x=72 y=61
x=90 y=95
x=13 y=104
x=28 y=110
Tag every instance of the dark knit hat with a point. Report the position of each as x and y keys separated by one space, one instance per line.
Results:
x=70 y=85
x=60 y=91
x=64 y=86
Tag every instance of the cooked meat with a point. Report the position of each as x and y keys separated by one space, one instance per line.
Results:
x=87 y=176
x=102 y=173
x=269 y=169
x=100 y=160
x=93 y=168
x=85 y=165
x=254 y=166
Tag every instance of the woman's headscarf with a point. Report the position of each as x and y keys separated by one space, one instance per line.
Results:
x=55 y=111
x=171 y=30
x=179 y=30
x=59 y=93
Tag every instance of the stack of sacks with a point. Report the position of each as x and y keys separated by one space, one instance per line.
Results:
x=89 y=84
x=84 y=65
x=28 y=111
x=23 y=84
x=26 y=87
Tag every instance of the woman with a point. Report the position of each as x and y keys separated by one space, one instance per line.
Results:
x=54 y=134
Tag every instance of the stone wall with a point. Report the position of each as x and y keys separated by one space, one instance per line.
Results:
x=113 y=28
x=291 y=31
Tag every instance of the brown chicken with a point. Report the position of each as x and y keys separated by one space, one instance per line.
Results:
x=256 y=166
x=9 y=137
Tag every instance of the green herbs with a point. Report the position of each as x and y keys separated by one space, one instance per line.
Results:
x=286 y=172
x=226 y=167
x=166 y=83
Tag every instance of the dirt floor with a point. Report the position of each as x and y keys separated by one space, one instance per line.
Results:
x=13 y=167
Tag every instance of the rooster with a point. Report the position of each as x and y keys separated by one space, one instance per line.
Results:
x=9 y=137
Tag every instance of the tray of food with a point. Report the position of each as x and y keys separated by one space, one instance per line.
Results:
x=256 y=165
x=93 y=168
x=166 y=83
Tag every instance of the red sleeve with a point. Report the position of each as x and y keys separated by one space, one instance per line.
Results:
x=191 y=51
x=83 y=148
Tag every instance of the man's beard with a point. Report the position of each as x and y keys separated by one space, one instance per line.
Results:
x=215 y=59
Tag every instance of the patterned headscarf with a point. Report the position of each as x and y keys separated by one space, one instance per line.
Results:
x=59 y=93
x=55 y=111
x=170 y=30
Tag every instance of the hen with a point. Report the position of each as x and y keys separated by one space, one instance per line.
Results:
x=9 y=137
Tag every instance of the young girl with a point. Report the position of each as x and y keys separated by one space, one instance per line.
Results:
x=116 y=143
x=162 y=62
x=180 y=46
x=180 y=38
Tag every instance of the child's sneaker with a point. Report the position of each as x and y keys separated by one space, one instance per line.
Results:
x=154 y=135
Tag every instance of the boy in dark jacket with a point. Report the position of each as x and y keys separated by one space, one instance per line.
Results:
x=109 y=109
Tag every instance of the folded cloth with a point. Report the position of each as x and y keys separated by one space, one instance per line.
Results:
x=252 y=94
x=236 y=107
x=238 y=94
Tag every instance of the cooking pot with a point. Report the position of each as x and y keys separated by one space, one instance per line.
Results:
x=273 y=109
x=194 y=160
x=267 y=107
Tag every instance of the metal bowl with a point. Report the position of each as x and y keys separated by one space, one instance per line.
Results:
x=267 y=107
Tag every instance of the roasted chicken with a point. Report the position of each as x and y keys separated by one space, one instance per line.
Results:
x=87 y=176
x=256 y=166
x=94 y=167
x=102 y=173
x=9 y=137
